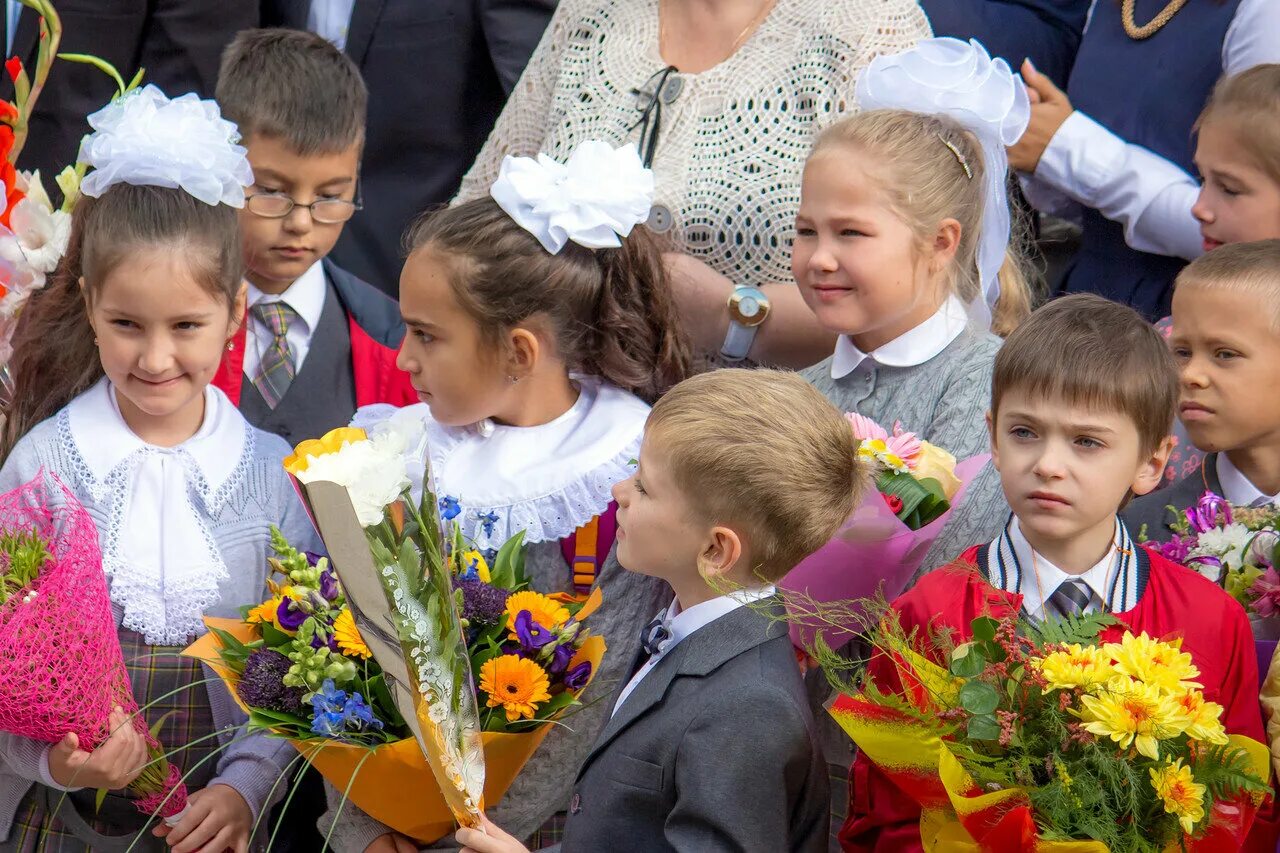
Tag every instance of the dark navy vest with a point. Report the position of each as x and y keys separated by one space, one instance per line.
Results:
x=1149 y=93
x=323 y=394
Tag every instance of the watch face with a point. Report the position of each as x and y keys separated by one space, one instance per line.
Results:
x=748 y=306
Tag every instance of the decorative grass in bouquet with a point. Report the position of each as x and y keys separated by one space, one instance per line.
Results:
x=1236 y=548
x=1067 y=735
x=62 y=669
x=880 y=547
x=366 y=663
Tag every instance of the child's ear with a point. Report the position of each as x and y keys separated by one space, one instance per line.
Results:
x=238 y=307
x=1151 y=472
x=946 y=240
x=719 y=557
x=525 y=348
x=991 y=436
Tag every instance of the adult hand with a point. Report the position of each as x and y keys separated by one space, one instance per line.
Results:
x=392 y=842
x=114 y=764
x=217 y=819
x=491 y=840
x=1050 y=107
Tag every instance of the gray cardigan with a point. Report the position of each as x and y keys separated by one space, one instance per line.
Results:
x=944 y=401
x=262 y=495
x=545 y=785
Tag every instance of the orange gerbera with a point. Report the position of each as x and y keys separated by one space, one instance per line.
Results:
x=546 y=612
x=516 y=684
x=347 y=635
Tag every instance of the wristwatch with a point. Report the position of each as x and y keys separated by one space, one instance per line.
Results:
x=748 y=308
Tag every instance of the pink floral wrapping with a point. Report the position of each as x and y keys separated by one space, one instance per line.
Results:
x=62 y=669
x=872 y=552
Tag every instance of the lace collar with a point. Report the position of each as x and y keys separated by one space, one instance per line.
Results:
x=157 y=547
x=546 y=480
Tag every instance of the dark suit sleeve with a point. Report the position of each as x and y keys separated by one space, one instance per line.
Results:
x=1047 y=31
x=512 y=29
x=183 y=44
x=743 y=773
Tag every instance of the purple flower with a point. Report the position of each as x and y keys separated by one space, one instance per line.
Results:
x=1266 y=592
x=317 y=641
x=313 y=558
x=1204 y=515
x=262 y=683
x=577 y=678
x=1177 y=549
x=532 y=636
x=482 y=603
x=289 y=618
x=560 y=658
x=329 y=584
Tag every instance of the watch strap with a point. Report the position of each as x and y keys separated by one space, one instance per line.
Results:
x=737 y=341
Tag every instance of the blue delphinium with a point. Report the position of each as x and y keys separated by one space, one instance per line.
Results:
x=449 y=508
x=339 y=714
x=487 y=522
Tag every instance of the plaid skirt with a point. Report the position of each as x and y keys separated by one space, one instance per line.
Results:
x=164 y=682
x=550 y=833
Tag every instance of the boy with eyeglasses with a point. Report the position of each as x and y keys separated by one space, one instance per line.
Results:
x=317 y=342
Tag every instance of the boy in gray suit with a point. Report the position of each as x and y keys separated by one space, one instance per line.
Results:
x=711 y=745
x=1226 y=340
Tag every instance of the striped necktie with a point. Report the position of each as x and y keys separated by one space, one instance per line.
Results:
x=276 y=369
x=1071 y=598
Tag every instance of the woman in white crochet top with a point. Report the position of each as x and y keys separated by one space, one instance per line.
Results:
x=724 y=97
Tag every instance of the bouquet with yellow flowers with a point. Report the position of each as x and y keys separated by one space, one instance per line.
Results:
x=366 y=663
x=1066 y=735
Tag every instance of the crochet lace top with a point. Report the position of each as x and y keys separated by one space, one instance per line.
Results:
x=729 y=143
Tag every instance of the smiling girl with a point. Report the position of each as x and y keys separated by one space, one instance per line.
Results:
x=112 y=367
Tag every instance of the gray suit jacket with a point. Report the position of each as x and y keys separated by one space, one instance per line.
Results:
x=714 y=751
x=1153 y=510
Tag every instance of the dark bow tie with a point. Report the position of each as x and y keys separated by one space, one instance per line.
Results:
x=654 y=637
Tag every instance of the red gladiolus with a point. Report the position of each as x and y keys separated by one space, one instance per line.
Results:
x=894 y=502
x=14 y=67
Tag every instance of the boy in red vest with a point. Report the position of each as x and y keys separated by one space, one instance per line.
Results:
x=317 y=342
x=1073 y=435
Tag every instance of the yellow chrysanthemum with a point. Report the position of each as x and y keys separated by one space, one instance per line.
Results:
x=1076 y=666
x=1201 y=720
x=1163 y=664
x=1182 y=795
x=547 y=613
x=877 y=451
x=330 y=442
x=1131 y=713
x=517 y=684
x=347 y=635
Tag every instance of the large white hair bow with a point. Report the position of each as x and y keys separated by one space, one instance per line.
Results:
x=146 y=139
x=594 y=199
x=960 y=80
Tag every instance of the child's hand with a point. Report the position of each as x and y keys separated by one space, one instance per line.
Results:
x=217 y=819
x=114 y=764
x=492 y=840
x=392 y=842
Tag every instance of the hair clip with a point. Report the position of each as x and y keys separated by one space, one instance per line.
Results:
x=964 y=164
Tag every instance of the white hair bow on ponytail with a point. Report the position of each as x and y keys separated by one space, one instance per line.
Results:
x=594 y=199
x=960 y=80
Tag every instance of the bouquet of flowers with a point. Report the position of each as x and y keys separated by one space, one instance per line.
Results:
x=62 y=670
x=1237 y=548
x=883 y=543
x=1071 y=735
x=369 y=671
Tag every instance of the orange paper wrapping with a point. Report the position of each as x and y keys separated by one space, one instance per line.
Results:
x=393 y=783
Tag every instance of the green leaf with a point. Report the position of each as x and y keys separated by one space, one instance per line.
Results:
x=984 y=628
x=98 y=63
x=99 y=797
x=229 y=643
x=1079 y=629
x=509 y=563
x=273 y=636
x=967 y=661
x=978 y=697
x=983 y=727
x=158 y=724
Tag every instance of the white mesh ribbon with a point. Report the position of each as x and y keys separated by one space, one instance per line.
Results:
x=146 y=139
x=594 y=199
x=949 y=77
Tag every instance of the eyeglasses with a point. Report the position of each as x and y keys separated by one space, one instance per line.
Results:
x=327 y=211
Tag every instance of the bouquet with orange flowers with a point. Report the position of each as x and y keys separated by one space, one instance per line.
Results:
x=365 y=663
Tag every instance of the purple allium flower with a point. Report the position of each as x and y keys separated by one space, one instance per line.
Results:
x=262 y=684
x=577 y=678
x=289 y=618
x=482 y=603
x=532 y=636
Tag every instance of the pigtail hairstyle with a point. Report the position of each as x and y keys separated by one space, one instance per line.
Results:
x=930 y=168
x=55 y=357
x=610 y=311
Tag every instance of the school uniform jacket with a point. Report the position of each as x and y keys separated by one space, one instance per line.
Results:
x=1151 y=511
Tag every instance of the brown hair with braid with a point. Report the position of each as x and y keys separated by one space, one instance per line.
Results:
x=611 y=311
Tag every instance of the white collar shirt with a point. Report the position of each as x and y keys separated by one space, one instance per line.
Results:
x=1237 y=488
x=306 y=297
x=909 y=349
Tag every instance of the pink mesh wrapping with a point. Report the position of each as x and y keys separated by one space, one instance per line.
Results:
x=61 y=669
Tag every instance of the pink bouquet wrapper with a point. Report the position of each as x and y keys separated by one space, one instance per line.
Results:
x=62 y=669
x=872 y=552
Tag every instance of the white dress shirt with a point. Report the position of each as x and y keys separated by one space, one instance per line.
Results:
x=909 y=349
x=682 y=623
x=306 y=297
x=331 y=19
x=1236 y=487
x=1087 y=165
